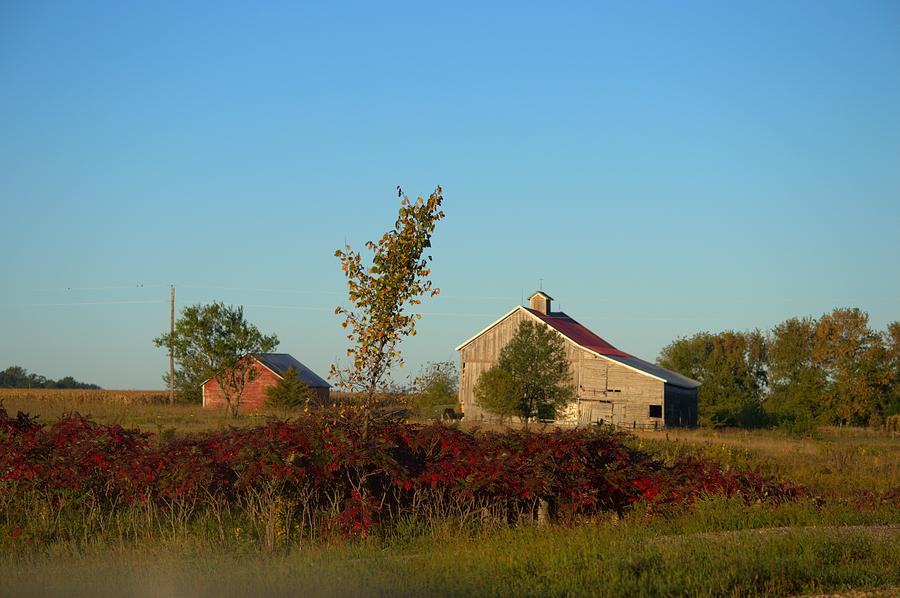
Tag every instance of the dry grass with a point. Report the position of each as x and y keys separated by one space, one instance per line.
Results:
x=75 y=396
x=148 y=410
x=835 y=462
x=144 y=409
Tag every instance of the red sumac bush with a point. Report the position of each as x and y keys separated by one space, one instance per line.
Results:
x=323 y=462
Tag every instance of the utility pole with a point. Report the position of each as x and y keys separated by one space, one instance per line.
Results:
x=172 y=349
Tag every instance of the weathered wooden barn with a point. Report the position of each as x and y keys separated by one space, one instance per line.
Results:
x=270 y=367
x=613 y=387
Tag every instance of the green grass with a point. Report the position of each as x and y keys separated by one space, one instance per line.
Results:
x=683 y=554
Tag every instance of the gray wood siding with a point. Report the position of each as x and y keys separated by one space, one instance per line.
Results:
x=478 y=356
x=595 y=380
x=626 y=398
x=593 y=377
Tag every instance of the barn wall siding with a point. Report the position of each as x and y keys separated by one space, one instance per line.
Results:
x=606 y=390
x=254 y=395
x=626 y=399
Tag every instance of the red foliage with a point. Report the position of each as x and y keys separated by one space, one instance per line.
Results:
x=325 y=459
x=866 y=500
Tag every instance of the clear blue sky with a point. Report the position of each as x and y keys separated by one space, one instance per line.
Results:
x=664 y=168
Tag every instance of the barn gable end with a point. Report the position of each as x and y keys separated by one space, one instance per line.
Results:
x=612 y=386
x=270 y=368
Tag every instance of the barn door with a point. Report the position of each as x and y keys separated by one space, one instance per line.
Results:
x=593 y=412
x=618 y=413
x=584 y=413
x=593 y=379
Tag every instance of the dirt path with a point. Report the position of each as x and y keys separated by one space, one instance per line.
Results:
x=891 y=592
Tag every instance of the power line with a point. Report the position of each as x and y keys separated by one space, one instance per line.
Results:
x=106 y=288
x=274 y=291
x=261 y=290
x=84 y=303
x=323 y=292
x=300 y=307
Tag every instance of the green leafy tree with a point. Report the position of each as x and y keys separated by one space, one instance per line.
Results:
x=732 y=369
x=212 y=341
x=382 y=295
x=188 y=384
x=892 y=357
x=18 y=377
x=796 y=383
x=535 y=360
x=289 y=393
x=436 y=388
x=856 y=365
x=806 y=371
x=496 y=392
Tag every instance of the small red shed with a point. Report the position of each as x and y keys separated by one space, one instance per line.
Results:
x=271 y=368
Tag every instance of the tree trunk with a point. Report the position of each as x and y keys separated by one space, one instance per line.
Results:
x=543 y=514
x=367 y=415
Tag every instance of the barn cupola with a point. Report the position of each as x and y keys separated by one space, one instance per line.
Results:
x=540 y=301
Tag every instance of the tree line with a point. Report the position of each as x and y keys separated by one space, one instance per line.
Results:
x=834 y=369
x=18 y=377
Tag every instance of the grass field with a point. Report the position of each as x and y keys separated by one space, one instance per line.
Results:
x=837 y=462
x=720 y=548
x=144 y=409
x=147 y=410
x=845 y=536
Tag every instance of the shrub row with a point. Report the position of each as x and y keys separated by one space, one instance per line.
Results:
x=334 y=480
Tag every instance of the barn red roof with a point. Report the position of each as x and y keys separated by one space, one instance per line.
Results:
x=577 y=333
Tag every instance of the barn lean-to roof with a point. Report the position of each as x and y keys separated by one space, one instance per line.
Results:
x=670 y=377
x=588 y=340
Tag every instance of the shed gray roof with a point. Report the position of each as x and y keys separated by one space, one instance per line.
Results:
x=281 y=362
x=673 y=378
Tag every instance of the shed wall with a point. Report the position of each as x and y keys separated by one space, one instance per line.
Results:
x=254 y=395
x=681 y=406
x=615 y=394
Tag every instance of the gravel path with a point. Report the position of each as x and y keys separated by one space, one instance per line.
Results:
x=882 y=532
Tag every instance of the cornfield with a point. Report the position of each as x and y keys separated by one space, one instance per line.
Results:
x=74 y=395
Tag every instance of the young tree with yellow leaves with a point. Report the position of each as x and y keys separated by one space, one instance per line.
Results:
x=382 y=293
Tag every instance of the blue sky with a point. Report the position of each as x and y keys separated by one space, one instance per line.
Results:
x=664 y=168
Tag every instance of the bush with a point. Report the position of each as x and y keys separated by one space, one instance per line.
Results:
x=289 y=392
x=496 y=392
x=325 y=477
x=436 y=389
